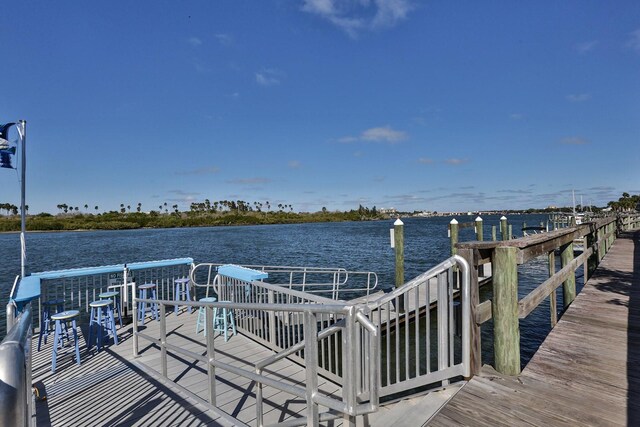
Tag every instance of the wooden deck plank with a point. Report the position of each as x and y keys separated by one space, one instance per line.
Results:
x=584 y=373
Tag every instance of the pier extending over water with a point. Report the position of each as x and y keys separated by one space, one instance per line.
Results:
x=587 y=370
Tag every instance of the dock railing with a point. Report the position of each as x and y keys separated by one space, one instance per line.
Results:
x=368 y=348
x=16 y=400
x=330 y=282
x=316 y=326
x=80 y=286
x=505 y=308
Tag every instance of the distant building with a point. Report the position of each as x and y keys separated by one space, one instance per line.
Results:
x=388 y=211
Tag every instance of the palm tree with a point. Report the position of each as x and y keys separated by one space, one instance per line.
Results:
x=96 y=208
x=139 y=208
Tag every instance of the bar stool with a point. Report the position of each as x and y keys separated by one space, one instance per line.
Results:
x=59 y=319
x=114 y=296
x=202 y=316
x=223 y=318
x=181 y=292
x=142 y=307
x=101 y=319
x=45 y=318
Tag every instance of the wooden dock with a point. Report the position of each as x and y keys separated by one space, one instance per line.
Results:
x=586 y=372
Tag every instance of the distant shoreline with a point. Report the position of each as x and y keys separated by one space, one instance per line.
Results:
x=138 y=220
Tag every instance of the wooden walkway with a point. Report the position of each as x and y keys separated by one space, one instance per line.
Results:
x=586 y=372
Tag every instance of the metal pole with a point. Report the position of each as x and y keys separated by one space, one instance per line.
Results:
x=23 y=227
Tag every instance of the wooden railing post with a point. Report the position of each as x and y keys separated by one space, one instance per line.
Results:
x=599 y=243
x=553 y=300
x=592 y=261
x=474 y=300
x=569 y=285
x=506 y=344
x=493 y=233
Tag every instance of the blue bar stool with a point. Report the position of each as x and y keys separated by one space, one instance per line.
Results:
x=223 y=318
x=115 y=297
x=48 y=308
x=148 y=290
x=59 y=319
x=202 y=316
x=101 y=319
x=182 y=292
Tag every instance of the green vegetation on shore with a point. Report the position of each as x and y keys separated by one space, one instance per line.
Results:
x=228 y=212
x=124 y=220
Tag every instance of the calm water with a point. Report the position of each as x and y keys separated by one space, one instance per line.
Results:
x=356 y=246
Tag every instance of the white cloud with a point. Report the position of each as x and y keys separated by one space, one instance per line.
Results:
x=294 y=164
x=384 y=134
x=578 y=97
x=574 y=140
x=194 y=41
x=379 y=134
x=456 y=161
x=585 y=47
x=516 y=116
x=355 y=15
x=634 y=40
x=224 y=39
x=390 y=12
x=268 y=77
x=425 y=160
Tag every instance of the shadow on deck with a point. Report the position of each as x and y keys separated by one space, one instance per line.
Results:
x=114 y=388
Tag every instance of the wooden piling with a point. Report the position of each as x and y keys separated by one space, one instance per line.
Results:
x=493 y=233
x=480 y=238
x=453 y=235
x=479 y=231
x=398 y=241
x=474 y=301
x=506 y=328
x=504 y=228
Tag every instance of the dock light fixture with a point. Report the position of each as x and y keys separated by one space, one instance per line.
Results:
x=8 y=150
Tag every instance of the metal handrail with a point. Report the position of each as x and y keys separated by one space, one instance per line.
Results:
x=16 y=407
x=310 y=311
x=349 y=332
x=306 y=279
x=11 y=305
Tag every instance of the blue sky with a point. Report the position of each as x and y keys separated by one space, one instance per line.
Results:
x=323 y=103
